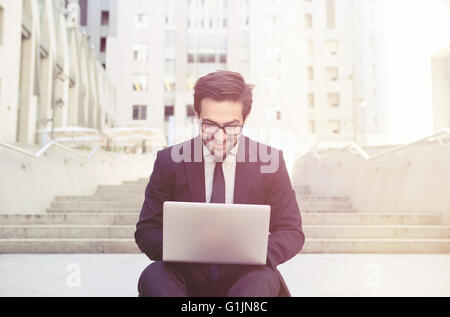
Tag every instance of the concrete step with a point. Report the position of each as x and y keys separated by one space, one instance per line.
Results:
x=106 y=196
x=123 y=218
x=358 y=218
x=376 y=232
x=67 y=232
x=376 y=246
x=311 y=231
x=111 y=210
x=109 y=188
x=323 y=198
x=138 y=182
x=101 y=198
x=71 y=219
x=137 y=204
x=321 y=210
x=311 y=246
x=120 y=192
x=74 y=204
x=132 y=207
x=68 y=246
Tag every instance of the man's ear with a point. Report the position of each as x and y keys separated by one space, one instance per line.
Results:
x=246 y=119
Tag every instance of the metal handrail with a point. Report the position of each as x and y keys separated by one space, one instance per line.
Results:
x=46 y=147
x=360 y=151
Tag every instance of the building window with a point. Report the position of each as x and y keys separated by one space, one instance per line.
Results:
x=190 y=83
x=308 y=21
x=223 y=58
x=244 y=16
x=104 y=65
x=311 y=100
x=310 y=47
x=278 y=115
x=334 y=126
x=103 y=44
x=273 y=54
x=2 y=22
x=243 y=54
x=273 y=83
x=332 y=74
x=83 y=12
x=273 y=113
x=310 y=73
x=333 y=100
x=332 y=47
x=210 y=58
x=140 y=82
x=312 y=126
x=201 y=58
x=171 y=54
x=141 y=22
x=190 y=57
x=190 y=111
x=140 y=112
x=105 y=18
x=169 y=111
x=169 y=84
x=140 y=52
x=331 y=16
x=272 y=22
x=170 y=12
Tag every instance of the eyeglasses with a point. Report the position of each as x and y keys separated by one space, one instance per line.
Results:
x=211 y=128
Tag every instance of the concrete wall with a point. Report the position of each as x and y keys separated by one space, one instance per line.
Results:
x=28 y=186
x=9 y=72
x=388 y=185
x=48 y=68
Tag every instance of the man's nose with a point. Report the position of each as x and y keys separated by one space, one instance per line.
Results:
x=220 y=135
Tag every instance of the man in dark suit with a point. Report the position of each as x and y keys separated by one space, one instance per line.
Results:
x=220 y=166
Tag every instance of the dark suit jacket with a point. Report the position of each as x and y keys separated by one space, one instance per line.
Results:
x=185 y=181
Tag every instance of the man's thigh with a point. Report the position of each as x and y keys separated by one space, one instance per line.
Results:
x=196 y=277
x=247 y=281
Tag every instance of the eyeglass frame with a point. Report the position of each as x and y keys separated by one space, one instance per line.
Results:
x=220 y=127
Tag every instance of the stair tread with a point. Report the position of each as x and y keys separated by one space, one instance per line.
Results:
x=64 y=239
x=308 y=239
x=304 y=226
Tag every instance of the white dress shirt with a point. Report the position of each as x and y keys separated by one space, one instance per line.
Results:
x=229 y=172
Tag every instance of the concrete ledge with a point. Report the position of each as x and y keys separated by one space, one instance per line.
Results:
x=311 y=246
x=124 y=218
x=311 y=231
x=305 y=274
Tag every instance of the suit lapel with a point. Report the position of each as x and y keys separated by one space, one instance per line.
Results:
x=195 y=171
x=244 y=171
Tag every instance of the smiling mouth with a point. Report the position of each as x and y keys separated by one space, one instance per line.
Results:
x=220 y=145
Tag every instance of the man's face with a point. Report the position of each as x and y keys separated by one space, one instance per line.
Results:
x=223 y=114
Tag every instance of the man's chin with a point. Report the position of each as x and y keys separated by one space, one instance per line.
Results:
x=219 y=153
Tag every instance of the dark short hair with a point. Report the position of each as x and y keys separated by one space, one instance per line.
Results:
x=223 y=85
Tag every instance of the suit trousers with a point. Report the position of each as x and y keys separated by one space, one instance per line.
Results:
x=162 y=279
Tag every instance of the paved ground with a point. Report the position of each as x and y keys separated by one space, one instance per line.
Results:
x=306 y=274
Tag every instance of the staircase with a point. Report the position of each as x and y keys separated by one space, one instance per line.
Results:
x=105 y=223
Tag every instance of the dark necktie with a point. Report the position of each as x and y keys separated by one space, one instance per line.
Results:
x=218 y=193
x=218 y=197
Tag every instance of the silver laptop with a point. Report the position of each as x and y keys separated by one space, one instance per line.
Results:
x=215 y=233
